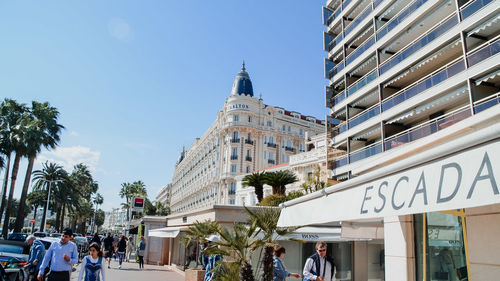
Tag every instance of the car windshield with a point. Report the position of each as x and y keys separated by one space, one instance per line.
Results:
x=11 y=249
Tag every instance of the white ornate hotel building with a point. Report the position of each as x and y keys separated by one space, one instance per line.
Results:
x=247 y=136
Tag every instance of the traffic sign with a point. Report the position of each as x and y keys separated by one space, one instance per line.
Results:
x=32 y=220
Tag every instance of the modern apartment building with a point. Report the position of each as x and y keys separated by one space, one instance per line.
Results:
x=413 y=92
x=115 y=220
x=246 y=136
x=164 y=194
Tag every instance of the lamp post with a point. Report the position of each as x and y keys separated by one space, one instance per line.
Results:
x=42 y=227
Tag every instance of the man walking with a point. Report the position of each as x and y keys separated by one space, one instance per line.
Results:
x=61 y=255
x=108 y=246
x=37 y=252
x=319 y=266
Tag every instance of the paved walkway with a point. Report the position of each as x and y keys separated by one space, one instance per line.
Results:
x=130 y=272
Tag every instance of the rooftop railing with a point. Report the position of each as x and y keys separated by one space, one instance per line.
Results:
x=427 y=128
x=423 y=84
x=424 y=40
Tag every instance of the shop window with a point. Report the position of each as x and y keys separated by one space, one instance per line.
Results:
x=341 y=253
x=440 y=246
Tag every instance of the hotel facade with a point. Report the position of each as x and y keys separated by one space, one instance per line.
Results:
x=246 y=136
x=413 y=95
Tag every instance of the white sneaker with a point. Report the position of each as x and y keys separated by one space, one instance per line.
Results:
x=119 y=267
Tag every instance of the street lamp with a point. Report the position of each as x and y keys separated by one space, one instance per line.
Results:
x=42 y=227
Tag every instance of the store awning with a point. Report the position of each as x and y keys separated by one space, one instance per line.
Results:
x=315 y=233
x=166 y=232
x=420 y=183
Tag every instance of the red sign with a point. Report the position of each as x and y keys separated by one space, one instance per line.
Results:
x=138 y=202
x=32 y=220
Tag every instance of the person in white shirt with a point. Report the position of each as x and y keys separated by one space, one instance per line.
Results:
x=319 y=266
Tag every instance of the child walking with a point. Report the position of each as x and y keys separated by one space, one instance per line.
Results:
x=92 y=265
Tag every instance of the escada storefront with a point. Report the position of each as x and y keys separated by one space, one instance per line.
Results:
x=440 y=206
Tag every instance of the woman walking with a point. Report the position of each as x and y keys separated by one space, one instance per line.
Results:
x=141 y=248
x=280 y=272
x=92 y=265
x=130 y=247
x=122 y=247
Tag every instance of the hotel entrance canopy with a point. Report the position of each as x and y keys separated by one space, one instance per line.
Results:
x=462 y=172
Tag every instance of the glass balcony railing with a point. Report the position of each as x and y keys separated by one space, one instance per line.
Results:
x=399 y=18
x=426 y=83
x=486 y=103
x=327 y=13
x=333 y=16
x=329 y=66
x=342 y=128
x=366 y=152
x=340 y=97
x=338 y=68
x=420 y=43
x=361 y=49
x=376 y=3
x=427 y=129
x=358 y=20
x=483 y=53
x=364 y=116
x=473 y=7
x=362 y=82
x=327 y=39
x=346 y=3
x=335 y=42
x=340 y=162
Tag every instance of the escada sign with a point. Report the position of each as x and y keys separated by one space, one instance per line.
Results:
x=465 y=179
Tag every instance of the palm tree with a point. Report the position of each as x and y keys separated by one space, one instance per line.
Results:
x=42 y=130
x=279 y=179
x=131 y=190
x=265 y=220
x=11 y=114
x=35 y=199
x=257 y=180
x=50 y=174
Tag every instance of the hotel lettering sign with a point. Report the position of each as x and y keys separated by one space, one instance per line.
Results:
x=237 y=106
x=466 y=179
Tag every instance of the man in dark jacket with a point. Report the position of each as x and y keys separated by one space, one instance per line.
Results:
x=319 y=266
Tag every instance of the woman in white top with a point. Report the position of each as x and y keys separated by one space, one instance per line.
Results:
x=92 y=265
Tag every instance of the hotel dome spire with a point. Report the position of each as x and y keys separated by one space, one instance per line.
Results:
x=242 y=84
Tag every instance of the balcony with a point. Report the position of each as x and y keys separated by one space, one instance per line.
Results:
x=358 y=20
x=250 y=142
x=329 y=16
x=272 y=145
x=235 y=140
x=365 y=80
x=367 y=114
x=424 y=84
x=335 y=69
x=473 y=7
x=491 y=49
x=360 y=50
x=411 y=49
x=248 y=158
x=271 y=161
x=234 y=157
x=399 y=18
x=486 y=103
x=428 y=128
x=340 y=162
x=291 y=149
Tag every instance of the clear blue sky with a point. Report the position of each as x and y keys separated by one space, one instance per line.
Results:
x=135 y=81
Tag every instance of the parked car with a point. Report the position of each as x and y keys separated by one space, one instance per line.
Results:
x=40 y=234
x=13 y=257
x=47 y=241
x=55 y=235
x=82 y=245
x=17 y=236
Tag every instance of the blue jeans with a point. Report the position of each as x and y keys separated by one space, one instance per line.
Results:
x=121 y=256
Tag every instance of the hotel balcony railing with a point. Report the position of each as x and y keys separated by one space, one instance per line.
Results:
x=336 y=69
x=376 y=3
x=412 y=48
x=346 y=3
x=399 y=18
x=365 y=80
x=333 y=16
x=342 y=128
x=234 y=157
x=425 y=83
x=273 y=145
x=367 y=114
x=271 y=161
x=473 y=7
x=486 y=103
x=248 y=158
x=427 y=128
x=231 y=192
x=235 y=140
x=340 y=97
x=334 y=43
x=483 y=53
x=365 y=152
x=358 y=20
x=340 y=162
x=247 y=141
x=360 y=50
x=291 y=149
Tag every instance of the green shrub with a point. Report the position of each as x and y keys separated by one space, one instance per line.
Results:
x=276 y=200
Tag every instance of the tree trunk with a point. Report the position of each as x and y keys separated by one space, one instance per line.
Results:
x=267 y=263
x=34 y=216
x=247 y=272
x=4 y=187
x=44 y=215
x=62 y=217
x=15 y=169
x=58 y=214
x=22 y=202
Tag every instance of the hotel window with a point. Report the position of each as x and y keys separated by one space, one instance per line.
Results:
x=301 y=132
x=288 y=158
x=265 y=139
x=231 y=201
x=248 y=169
x=282 y=143
x=265 y=154
x=235 y=152
x=284 y=128
x=233 y=168
x=236 y=118
x=289 y=128
x=440 y=246
x=232 y=189
x=271 y=139
x=249 y=119
x=269 y=123
x=301 y=147
x=282 y=158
